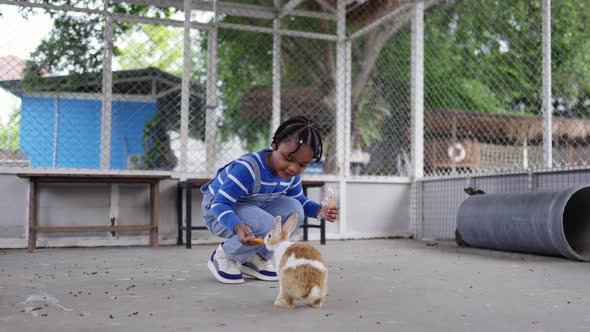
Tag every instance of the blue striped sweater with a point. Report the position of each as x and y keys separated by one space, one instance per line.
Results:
x=237 y=180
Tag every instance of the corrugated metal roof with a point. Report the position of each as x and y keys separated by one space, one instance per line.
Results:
x=147 y=81
x=502 y=128
x=11 y=68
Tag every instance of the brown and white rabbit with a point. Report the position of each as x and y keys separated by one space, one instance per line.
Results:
x=300 y=267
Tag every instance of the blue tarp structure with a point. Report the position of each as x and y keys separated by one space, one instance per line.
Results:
x=61 y=121
x=65 y=133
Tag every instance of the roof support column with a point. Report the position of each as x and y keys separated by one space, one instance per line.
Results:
x=276 y=73
x=107 y=92
x=185 y=87
x=341 y=105
x=417 y=90
x=417 y=109
x=547 y=105
x=347 y=105
x=211 y=116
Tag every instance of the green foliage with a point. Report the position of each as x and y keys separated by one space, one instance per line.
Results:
x=486 y=56
x=371 y=111
x=75 y=44
x=158 y=154
x=9 y=132
x=570 y=50
x=152 y=46
x=480 y=55
x=244 y=62
x=70 y=47
x=75 y=47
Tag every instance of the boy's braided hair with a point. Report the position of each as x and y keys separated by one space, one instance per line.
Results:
x=304 y=131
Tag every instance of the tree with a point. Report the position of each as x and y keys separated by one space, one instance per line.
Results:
x=75 y=44
x=487 y=56
x=147 y=45
x=9 y=132
x=161 y=47
x=480 y=55
x=306 y=62
x=74 y=48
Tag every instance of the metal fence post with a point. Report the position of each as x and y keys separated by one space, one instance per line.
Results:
x=276 y=72
x=185 y=88
x=107 y=92
x=341 y=49
x=547 y=105
x=417 y=90
x=211 y=116
x=417 y=108
x=347 y=106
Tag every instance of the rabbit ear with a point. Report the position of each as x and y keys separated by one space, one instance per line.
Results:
x=290 y=225
x=278 y=224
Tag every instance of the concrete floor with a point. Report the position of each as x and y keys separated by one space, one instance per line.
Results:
x=375 y=285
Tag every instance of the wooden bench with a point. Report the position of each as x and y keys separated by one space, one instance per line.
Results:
x=188 y=185
x=154 y=203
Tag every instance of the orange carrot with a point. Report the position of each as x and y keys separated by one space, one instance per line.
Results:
x=258 y=240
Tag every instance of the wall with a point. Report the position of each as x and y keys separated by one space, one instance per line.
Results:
x=441 y=198
x=13 y=204
x=378 y=209
x=374 y=210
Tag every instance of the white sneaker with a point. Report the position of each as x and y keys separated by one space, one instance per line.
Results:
x=224 y=268
x=259 y=268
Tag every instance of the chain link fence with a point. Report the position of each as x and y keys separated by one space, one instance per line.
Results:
x=104 y=92
x=380 y=93
x=483 y=85
x=134 y=86
x=571 y=83
x=484 y=104
x=380 y=88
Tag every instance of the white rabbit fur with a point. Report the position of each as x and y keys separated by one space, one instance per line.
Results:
x=300 y=267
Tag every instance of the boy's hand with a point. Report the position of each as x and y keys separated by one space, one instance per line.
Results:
x=245 y=234
x=329 y=213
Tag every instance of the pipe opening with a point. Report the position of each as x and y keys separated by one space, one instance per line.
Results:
x=576 y=222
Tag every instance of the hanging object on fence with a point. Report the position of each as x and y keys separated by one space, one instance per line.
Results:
x=457 y=152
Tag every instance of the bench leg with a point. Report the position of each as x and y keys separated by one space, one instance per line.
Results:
x=304 y=226
x=179 y=214
x=322 y=231
x=154 y=213
x=189 y=221
x=32 y=215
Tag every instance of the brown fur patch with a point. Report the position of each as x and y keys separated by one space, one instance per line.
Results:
x=298 y=282
x=302 y=250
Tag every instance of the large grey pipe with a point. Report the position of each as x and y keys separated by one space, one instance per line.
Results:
x=546 y=223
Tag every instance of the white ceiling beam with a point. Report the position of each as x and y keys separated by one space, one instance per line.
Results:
x=382 y=20
x=234 y=9
x=289 y=7
x=326 y=6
